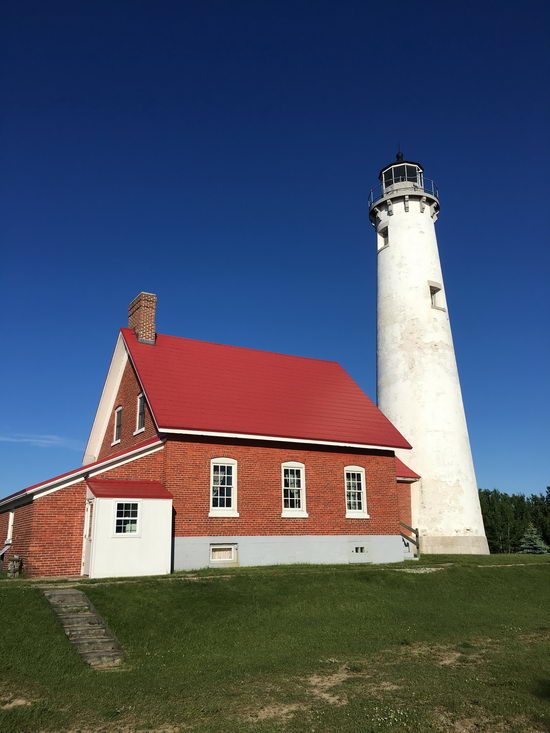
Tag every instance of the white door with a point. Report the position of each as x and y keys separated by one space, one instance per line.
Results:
x=88 y=534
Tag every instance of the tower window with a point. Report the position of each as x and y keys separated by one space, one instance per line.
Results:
x=436 y=296
x=383 y=239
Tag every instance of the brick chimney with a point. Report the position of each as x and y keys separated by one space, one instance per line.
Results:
x=142 y=317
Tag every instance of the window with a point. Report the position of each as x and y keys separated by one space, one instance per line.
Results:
x=223 y=553
x=223 y=488
x=436 y=296
x=294 y=490
x=140 y=413
x=356 y=500
x=9 y=536
x=126 y=519
x=383 y=240
x=117 y=430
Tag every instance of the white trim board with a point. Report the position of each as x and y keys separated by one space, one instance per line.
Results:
x=77 y=475
x=106 y=401
x=246 y=436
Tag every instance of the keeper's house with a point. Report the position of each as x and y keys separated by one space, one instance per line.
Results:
x=208 y=455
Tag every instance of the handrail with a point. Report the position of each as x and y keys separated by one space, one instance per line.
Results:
x=379 y=191
x=415 y=540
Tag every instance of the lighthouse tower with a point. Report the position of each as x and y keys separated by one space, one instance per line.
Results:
x=418 y=386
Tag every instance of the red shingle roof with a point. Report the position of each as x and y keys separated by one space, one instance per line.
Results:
x=200 y=386
x=403 y=471
x=124 y=489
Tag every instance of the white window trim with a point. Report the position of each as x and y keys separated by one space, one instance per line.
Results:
x=356 y=513
x=116 y=440
x=126 y=535
x=224 y=560
x=9 y=535
x=437 y=297
x=224 y=512
x=138 y=429
x=293 y=512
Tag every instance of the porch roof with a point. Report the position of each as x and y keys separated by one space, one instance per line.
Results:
x=125 y=489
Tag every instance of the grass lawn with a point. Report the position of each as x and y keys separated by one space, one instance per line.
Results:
x=300 y=648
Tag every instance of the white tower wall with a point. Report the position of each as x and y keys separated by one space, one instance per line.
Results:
x=418 y=384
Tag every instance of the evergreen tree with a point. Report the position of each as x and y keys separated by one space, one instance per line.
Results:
x=507 y=516
x=532 y=543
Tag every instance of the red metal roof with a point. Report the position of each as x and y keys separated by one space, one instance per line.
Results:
x=403 y=471
x=123 y=489
x=81 y=469
x=196 y=385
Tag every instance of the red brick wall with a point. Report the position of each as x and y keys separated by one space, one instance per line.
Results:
x=259 y=490
x=127 y=398
x=148 y=468
x=47 y=533
x=404 y=502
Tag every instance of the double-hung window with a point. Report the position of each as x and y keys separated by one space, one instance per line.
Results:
x=294 y=489
x=140 y=413
x=117 y=427
x=356 y=497
x=223 y=488
x=127 y=518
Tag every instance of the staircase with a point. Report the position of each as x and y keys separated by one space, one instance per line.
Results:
x=85 y=628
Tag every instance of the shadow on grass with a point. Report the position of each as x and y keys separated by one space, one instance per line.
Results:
x=542 y=689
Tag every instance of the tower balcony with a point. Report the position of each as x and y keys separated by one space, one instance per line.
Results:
x=403 y=185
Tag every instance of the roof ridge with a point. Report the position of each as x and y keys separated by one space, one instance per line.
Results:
x=125 y=329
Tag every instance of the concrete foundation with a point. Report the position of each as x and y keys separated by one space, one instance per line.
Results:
x=474 y=545
x=192 y=553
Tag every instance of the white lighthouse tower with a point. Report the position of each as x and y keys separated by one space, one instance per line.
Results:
x=417 y=384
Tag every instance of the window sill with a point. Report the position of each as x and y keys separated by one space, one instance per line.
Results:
x=297 y=514
x=222 y=513
x=141 y=430
x=357 y=515
x=115 y=442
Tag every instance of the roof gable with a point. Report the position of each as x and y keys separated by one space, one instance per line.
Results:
x=197 y=386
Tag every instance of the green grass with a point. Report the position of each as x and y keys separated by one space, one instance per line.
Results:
x=300 y=648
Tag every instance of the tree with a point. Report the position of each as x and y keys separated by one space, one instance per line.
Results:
x=532 y=543
x=508 y=516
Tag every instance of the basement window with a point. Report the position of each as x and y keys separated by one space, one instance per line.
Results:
x=126 y=520
x=117 y=428
x=223 y=553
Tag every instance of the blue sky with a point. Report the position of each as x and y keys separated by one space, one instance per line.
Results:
x=220 y=155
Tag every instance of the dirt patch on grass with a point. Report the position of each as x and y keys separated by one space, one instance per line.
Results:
x=448 y=656
x=483 y=724
x=8 y=703
x=278 y=711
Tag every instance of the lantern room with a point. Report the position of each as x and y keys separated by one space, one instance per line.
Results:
x=401 y=174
